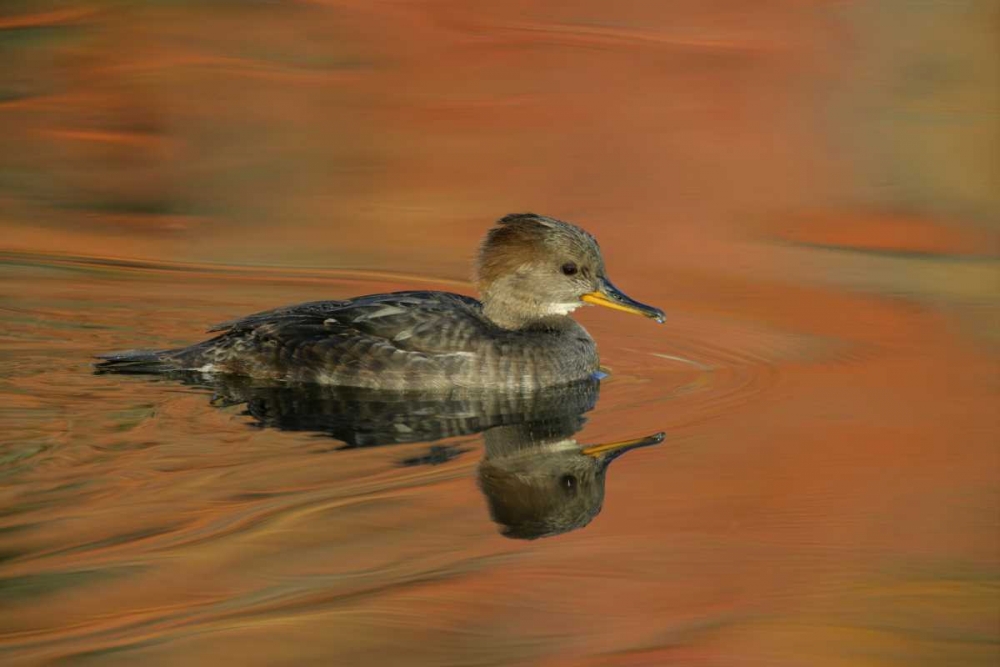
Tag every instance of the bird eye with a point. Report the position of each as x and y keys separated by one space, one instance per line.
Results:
x=569 y=268
x=568 y=482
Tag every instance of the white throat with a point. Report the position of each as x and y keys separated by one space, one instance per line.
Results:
x=563 y=308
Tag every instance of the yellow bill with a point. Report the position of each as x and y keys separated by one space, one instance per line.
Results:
x=622 y=446
x=609 y=296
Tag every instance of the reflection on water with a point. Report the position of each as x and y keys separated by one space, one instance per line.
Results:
x=537 y=480
x=812 y=478
x=369 y=417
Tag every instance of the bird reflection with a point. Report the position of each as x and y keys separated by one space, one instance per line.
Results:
x=372 y=417
x=538 y=481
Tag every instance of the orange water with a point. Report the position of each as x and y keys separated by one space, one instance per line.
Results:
x=806 y=189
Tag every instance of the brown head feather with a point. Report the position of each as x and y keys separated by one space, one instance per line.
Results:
x=525 y=238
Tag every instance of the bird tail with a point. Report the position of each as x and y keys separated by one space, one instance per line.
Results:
x=135 y=361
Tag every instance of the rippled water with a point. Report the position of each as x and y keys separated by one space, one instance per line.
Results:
x=825 y=488
x=817 y=493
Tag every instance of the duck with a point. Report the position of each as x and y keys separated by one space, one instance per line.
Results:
x=532 y=272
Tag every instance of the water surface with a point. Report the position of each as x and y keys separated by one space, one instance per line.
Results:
x=805 y=190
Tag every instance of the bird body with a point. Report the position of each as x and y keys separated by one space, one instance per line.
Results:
x=401 y=340
x=533 y=271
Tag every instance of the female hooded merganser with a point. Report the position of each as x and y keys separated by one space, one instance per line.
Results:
x=532 y=271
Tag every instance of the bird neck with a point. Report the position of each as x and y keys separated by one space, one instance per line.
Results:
x=512 y=308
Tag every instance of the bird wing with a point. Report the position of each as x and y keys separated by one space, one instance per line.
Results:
x=402 y=333
x=417 y=321
x=302 y=312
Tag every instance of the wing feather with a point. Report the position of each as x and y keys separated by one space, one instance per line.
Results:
x=431 y=323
